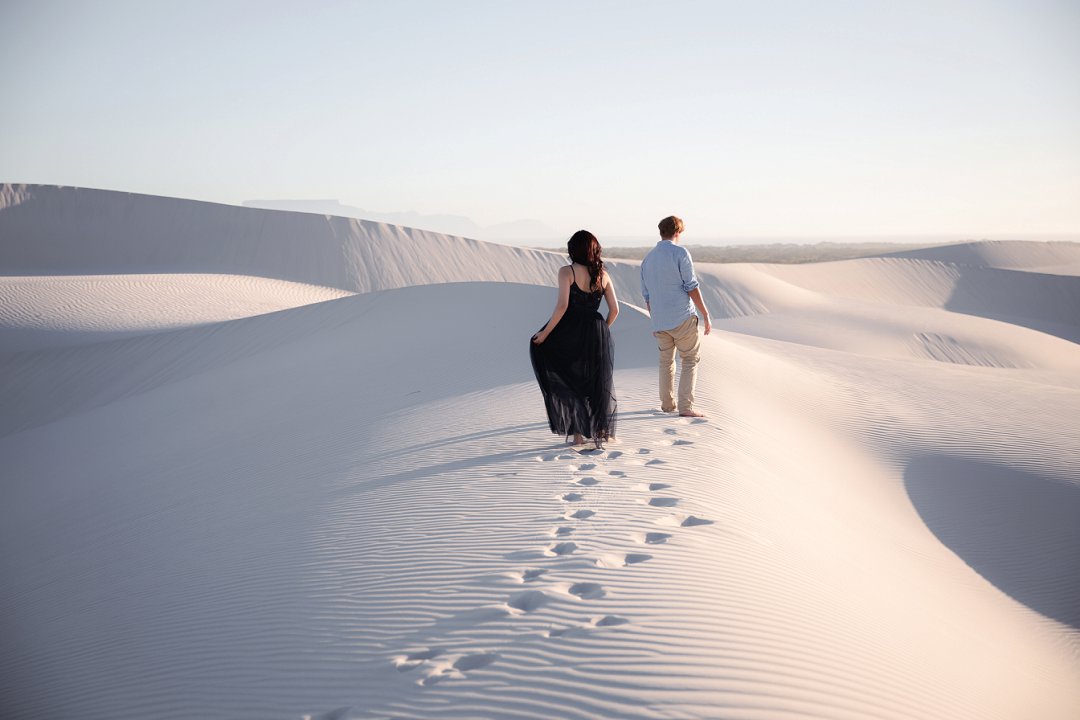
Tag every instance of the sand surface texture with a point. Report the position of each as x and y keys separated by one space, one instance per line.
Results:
x=261 y=464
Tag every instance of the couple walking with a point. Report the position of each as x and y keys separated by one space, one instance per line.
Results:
x=573 y=356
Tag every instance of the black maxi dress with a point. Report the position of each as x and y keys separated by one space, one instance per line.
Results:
x=574 y=367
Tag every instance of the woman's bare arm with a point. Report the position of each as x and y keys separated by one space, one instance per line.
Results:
x=561 y=303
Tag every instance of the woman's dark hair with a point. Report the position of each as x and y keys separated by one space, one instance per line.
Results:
x=584 y=248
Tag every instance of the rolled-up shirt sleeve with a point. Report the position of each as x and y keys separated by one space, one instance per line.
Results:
x=686 y=271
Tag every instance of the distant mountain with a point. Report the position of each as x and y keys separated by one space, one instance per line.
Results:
x=508 y=232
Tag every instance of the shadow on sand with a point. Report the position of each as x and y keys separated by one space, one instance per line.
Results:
x=1019 y=530
x=1046 y=303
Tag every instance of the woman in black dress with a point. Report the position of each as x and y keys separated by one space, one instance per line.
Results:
x=572 y=355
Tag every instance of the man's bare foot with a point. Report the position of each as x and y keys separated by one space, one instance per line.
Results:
x=691 y=413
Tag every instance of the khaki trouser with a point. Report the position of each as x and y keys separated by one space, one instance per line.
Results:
x=686 y=340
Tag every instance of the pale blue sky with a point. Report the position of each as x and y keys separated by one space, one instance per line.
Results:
x=765 y=118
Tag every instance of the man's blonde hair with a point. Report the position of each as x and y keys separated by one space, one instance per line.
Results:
x=670 y=226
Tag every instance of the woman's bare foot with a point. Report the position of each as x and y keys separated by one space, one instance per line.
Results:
x=578 y=439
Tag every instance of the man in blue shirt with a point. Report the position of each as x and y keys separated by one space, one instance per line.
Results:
x=671 y=293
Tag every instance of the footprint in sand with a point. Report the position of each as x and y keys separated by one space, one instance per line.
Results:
x=563 y=548
x=573 y=497
x=594 y=451
x=551 y=457
x=528 y=601
x=475 y=661
x=656 y=538
x=664 y=502
x=683 y=442
x=614 y=455
x=658 y=486
x=530 y=574
x=587 y=590
x=656 y=461
x=415 y=659
x=683 y=521
x=593 y=623
x=621 y=560
x=616 y=473
x=457 y=669
x=588 y=481
x=567 y=631
x=563 y=531
x=581 y=514
x=586 y=467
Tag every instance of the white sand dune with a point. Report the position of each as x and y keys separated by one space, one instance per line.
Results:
x=350 y=506
x=76 y=231
x=45 y=311
x=1047 y=303
x=1059 y=258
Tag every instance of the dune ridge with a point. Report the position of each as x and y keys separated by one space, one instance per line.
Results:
x=61 y=230
x=1054 y=257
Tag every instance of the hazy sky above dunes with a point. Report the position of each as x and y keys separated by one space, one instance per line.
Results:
x=766 y=118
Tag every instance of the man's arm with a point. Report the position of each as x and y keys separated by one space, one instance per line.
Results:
x=690 y=285
x=695 y=295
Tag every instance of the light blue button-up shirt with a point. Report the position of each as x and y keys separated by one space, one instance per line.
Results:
x=667 y=275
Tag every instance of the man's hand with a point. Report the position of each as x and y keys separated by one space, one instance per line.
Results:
x=695 y=296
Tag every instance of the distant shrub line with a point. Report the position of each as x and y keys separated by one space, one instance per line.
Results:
x=785 y=253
